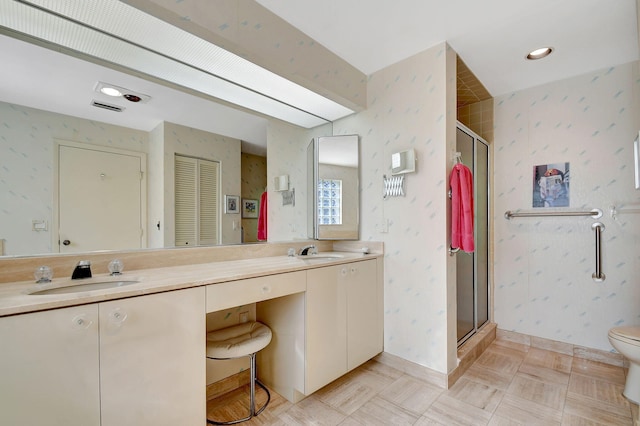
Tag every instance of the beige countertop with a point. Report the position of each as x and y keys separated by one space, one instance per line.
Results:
x=15 y=298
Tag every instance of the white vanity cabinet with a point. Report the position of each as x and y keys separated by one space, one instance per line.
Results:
x=343 y=321
x=49 y=368
x=152 y=359
x=137 y=361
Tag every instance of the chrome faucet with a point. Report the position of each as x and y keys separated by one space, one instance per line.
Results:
x=82 y=270
x=304 y=251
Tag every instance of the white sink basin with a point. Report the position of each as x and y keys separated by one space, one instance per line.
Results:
x=321 y=256
x=100 y=285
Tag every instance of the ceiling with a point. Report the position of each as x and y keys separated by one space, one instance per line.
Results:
x=491 y=37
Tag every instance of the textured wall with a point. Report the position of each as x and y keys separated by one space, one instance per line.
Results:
x=543 y=266
x=408 y=107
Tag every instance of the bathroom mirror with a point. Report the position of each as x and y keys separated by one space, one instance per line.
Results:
x=50 y=76
x=333 y=188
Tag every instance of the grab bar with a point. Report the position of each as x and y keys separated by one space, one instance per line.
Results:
x=595 y=213
x=598 y=276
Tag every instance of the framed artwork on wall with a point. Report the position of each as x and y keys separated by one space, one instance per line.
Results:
x=551 y=185
x=231 y=204
x=249 y=209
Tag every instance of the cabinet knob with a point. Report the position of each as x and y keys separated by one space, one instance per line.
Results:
x=344 y=272
x=80 y=322
x=118 y=316
x=266 y=289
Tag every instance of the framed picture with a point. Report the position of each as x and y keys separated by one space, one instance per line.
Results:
x=250 y=208
x=231 y=204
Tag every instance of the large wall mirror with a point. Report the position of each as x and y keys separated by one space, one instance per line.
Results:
x=46 y=96
x=333 y=188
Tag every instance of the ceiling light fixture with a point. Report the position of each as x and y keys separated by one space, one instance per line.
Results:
x=117 y=91
x=111 y=91
x=168 y=53
x=543 y=52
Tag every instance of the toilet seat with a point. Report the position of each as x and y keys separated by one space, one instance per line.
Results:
x=629 y=334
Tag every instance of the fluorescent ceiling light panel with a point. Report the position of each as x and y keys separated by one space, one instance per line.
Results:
x=136 y=40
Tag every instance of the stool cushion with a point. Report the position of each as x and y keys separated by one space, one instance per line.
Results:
x=238 y=340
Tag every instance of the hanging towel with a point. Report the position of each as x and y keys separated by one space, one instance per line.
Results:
x=461 y=182
x=262 y=218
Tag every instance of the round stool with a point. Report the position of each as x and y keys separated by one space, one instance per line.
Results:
x=235 y=342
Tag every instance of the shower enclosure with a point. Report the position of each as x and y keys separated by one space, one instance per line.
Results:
x=473 y=268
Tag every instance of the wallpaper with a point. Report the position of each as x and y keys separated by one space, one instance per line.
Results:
x=543 y=266
x=407 y=109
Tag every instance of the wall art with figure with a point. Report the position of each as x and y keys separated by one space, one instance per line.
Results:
x=551 y=185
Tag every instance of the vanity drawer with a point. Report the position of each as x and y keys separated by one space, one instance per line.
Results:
x=243 y=292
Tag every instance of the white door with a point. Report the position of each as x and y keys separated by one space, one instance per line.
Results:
x=101 y=196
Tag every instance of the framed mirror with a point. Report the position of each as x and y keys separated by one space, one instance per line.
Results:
x=333 y=187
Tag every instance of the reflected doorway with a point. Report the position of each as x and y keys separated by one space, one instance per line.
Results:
x=101 y=198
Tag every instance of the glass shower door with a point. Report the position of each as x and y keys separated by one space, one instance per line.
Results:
x=472 y=268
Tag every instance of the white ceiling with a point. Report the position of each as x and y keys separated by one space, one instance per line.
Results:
x=491 y=36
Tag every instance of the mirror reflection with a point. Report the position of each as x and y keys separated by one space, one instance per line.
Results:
x=55 y=145
x=333 y=190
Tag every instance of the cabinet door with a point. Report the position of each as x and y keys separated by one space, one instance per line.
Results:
x=49 y=368
x=364 y=328
x=152 y=359
x=326 y=347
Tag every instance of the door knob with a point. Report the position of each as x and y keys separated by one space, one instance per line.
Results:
x=66 y=242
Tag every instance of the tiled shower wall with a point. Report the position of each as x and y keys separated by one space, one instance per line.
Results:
x=543 y=266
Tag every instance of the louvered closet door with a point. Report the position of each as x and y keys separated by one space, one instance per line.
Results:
x=196 y=201
x=208 y=196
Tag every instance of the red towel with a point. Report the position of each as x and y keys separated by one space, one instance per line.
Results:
x=262 y=218
x=461 y=182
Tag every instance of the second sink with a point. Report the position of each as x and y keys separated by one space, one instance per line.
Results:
x=101 y=285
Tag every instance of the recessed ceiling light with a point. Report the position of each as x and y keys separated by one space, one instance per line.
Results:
x=110 y=91
x=539 y=53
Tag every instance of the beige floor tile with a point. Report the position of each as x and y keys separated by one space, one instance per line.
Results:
x=550 y=395
x=599 y=370
x=502 y=360
x=548 y=359
x=598 y=389
x=527 y=412
x=353 y=390
x=411 y=394
x=599 y=412
x=450 y=411
x=312 y=411
x=506 y=386
x=477 y=394
x=547 y=366
x=491 y=378
x=382 y=412
x=497 y=420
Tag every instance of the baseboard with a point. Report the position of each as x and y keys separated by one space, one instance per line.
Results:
x=228 y=384
x=514 y=338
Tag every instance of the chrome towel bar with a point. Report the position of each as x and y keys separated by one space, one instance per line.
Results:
x=595 y=213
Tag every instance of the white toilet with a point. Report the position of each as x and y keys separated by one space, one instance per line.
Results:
x=626 y=340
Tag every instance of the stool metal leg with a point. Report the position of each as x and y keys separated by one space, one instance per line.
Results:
x=252 y=402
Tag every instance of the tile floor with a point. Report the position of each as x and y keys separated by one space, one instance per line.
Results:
x=510 y=384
